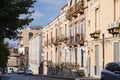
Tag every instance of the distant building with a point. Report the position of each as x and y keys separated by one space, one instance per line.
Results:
x=14 y=57
x=23 y=43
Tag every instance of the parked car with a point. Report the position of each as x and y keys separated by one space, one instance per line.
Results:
x=0 y=74
x=111 y=71
x=21 y=71
x=28 y=72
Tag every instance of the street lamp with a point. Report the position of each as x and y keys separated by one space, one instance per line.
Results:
x=103 y=48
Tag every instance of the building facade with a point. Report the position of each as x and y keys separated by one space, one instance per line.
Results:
x=83 y=38
x=53 y=33
x=35 y=54
x=64 y=41
x=23 y=44
x=77 y=34
x=89 y=29
x=102 y=33
x=13 y=60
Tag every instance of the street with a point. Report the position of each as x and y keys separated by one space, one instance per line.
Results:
x=28 y=77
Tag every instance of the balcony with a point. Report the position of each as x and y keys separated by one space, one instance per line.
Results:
x=52 y=40
x=73 y=11
x=70 y=41
x=45 y=44
x=55 y=41
x=69 y=13
x=49 y=42
x=79 y=7
x=62 y=38
x=79 y=38
x=114 y=28
x=95 y=34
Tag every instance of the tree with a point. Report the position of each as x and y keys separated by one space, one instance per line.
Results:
x=11 y=22
x=10 y=12
x=4 y=53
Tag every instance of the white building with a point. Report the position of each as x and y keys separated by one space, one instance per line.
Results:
x=35 y=53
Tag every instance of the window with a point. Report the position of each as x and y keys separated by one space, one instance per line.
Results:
x=76 y=28
x=47 y=56
x=96 y=18
x=60 y=31
x=96 y=59
x=81 y=27
x=70 y=3
x=51 y=37
x=56 y=33
x=82 y=58
x=116 y=51
x=30 y=35
x=51 y=55
x=65 y=29
x=89 y=23
x=70 y=31
x=47 y=39
x=56 y=55
x=81 y=30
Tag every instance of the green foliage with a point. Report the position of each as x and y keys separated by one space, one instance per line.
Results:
x=10 y=12
x=4 y=53
x=10 y=22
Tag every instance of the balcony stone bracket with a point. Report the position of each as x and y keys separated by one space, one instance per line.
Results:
x=114 y=31
x=95 y=34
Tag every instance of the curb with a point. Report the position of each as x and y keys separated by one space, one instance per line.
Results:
x=69 y=78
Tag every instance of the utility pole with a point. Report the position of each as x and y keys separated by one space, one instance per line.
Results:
x=103 y=49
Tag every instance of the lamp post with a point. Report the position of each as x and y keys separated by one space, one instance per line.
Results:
x=103 y=48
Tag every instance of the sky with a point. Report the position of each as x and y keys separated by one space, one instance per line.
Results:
x=45 y=12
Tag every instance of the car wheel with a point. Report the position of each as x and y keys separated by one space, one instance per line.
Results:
x=102 y=79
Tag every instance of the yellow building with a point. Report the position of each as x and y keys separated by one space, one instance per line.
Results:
x=76 y=42
x=102 y=18
x=85 y=35
x=64 y=39
x=52 y=35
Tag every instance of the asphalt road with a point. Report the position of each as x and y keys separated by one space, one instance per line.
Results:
x=28 y=77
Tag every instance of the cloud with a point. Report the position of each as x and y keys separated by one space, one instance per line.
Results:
x=37 y=15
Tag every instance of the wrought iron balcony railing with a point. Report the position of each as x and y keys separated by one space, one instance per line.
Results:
x=75 y=9
x=78 y=39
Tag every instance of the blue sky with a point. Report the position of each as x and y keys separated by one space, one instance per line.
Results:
x=46 y=10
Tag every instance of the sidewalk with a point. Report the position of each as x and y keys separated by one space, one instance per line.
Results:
x=58 y=77
x=87 y=78
x=68 y=78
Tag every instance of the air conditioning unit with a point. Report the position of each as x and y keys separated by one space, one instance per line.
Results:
x=113 y=25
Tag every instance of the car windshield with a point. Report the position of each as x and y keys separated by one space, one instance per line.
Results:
x=113 y=66
x=29 y=71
